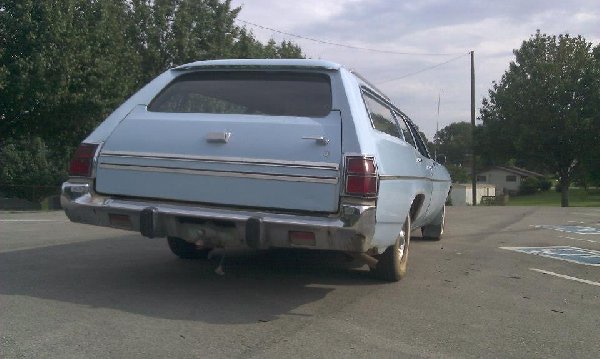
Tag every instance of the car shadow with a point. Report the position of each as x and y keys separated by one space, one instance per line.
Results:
x=137 y=275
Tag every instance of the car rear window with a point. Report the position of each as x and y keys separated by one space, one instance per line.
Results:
x=272 y=93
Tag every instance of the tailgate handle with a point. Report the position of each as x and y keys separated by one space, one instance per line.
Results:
x=220 y=137
x=320 y=140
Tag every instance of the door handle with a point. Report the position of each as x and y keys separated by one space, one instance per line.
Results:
x=320 y=140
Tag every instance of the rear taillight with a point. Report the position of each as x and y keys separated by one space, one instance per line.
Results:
x=361 y=176
x=83 y=159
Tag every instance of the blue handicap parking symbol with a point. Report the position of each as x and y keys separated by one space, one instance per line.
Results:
x=571 y=254
x=571 y=229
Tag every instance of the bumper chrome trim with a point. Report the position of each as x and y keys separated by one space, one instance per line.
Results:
x=350 y=230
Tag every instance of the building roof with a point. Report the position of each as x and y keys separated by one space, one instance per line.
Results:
x=516 y=170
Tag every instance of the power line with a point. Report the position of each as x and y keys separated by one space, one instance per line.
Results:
x=423 y=69
x=343 y=45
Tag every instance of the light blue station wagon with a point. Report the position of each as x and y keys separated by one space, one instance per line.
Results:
x=262 y=154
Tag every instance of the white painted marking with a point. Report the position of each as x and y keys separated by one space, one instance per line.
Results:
x=566 y=277
x=571 y=229
x=565 y=253
x=579 y=239
x=32 y=220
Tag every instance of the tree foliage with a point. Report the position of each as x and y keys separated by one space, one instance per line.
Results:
x=544 y=111
x=454 y=142
x=27 y=164
x=66 y=64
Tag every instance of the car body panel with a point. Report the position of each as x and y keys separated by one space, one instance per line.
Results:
x=267 y=161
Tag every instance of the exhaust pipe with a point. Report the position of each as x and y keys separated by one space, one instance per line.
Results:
x=364 y=258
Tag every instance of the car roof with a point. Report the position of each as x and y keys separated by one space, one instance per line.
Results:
x=262 y=63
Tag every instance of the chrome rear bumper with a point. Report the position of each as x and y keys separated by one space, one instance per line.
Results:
x=350 y=230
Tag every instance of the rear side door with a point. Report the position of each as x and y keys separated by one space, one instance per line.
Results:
x=423 y=164
x=436 y=173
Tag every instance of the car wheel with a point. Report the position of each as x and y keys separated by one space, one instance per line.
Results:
x=186 y=250
x=435 y=231
x=392 y=264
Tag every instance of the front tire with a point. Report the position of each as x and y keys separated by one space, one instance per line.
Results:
x=393 y=263
x=186 y=250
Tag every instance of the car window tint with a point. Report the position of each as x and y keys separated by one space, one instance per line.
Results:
x=273 y=93
x=405 y=131
x=381 y=116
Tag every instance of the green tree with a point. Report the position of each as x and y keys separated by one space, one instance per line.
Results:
x=247 y=47
x=454 y=142
x=589 y=172
x=544 y=109
x=458 y=173
x=173 y=32
x=289 y=50
x=27 y=169
x=66 y=64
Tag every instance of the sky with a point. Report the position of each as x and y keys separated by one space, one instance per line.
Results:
x=490 y=28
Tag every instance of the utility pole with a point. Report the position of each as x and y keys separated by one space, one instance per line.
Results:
x=473 y=174
x=437 y=129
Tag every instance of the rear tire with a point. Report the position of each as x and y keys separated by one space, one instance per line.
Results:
x=434 y=232
x=186 y=250
x=393 y=263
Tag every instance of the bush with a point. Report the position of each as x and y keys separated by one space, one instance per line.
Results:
x=28 y=170
x=529 y=185
x=545 y=184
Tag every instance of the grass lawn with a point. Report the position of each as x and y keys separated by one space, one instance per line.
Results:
x=578 y=197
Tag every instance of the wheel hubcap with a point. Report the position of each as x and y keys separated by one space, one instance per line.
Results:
x=402 y=247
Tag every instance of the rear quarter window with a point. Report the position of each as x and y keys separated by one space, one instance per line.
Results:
x=273 y=93
x=381 y=116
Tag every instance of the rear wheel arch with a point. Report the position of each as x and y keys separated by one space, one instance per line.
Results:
x=416 y=206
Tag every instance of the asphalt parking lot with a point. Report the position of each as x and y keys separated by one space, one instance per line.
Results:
x=504 y=282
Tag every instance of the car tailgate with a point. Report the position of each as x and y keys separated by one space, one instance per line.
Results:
x=278 y=162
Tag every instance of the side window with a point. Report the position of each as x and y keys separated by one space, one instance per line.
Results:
x=420 y=144
x=405 y=131
x=381 y=116
x=511 y=178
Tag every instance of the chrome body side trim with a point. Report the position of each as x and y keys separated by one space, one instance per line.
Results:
x=232 y=160
x=390 y=177
x=253 y=175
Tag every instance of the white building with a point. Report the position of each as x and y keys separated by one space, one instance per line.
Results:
x=506 y=179
x=462 y=195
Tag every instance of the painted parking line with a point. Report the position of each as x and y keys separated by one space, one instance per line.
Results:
x=564 y=253
x=566 y=277
x=570 y=229
x=580 y=239
x=33 y=220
